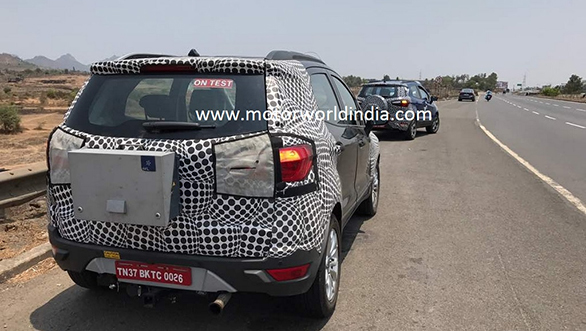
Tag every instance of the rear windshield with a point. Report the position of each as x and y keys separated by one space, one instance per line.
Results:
x=384 y=91
x=118 y=105
x=467 y=90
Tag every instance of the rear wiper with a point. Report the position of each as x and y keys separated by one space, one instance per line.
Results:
x=167 y=126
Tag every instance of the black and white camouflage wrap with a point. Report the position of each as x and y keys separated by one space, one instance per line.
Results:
x=216 y=224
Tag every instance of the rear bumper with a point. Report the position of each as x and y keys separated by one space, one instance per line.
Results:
x=469 y=97
x=393 y=125
x=242 y=274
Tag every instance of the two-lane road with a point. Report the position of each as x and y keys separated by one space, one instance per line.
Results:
x=465 y=239
x=549 y=134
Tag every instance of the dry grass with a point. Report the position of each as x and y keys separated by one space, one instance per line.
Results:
x=29 y=145
x=25 y=227
x=34 y=271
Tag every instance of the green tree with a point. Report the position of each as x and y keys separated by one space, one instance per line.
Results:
x=490 y=81
x=550 y=91
x=9 y=119
x=574 y=85
x=353 y=81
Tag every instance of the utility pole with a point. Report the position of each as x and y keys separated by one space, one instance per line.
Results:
x=524 y=81
x=419 y=74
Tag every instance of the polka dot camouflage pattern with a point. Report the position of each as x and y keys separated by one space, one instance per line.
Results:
x=308 y=215
x=217 y=224
x=226 y=65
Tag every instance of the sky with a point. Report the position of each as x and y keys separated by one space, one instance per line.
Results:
x=544 y=40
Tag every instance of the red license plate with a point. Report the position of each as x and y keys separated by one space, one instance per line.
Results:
x=157 y=273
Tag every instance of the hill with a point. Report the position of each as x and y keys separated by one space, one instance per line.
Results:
x=66 y=61
x=13 y=62
x=111 y=58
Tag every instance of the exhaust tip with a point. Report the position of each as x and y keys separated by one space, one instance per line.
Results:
x=216 y=308
x=218 y=305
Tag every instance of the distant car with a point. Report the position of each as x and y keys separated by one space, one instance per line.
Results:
x=467 y=94
x=401 y=96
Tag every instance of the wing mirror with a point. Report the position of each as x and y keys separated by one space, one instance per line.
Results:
x=434 y=98
x=368 y=127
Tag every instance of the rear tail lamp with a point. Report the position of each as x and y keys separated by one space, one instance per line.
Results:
x=245 y=167
x=60 y=144
x=400 y=103
x=281 y=275
x=296 y=162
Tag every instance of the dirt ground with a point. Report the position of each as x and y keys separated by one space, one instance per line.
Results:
x=23 y=228
x=29 y=145
x=34 y=271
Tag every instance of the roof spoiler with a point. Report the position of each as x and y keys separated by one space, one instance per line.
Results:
x=133 y=56
x=289 y=55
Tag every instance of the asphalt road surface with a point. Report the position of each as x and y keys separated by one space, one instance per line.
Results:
x=465 y=239
x=549 y=134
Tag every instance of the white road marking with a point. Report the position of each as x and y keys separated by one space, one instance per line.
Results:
x=560 y=189
x=567 y=107
x=547 y=103
x=556 y=105
x=551 y=118
x=525 y=109
x=578 y=109
x=576 y=125
x=519 y=107
x=540 y=101
x=534 y=112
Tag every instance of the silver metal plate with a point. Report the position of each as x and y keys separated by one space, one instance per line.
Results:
x=130 y=187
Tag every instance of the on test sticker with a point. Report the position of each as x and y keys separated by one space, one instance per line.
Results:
x=213 y=83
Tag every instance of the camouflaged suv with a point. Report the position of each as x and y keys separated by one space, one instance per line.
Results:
x=163 y=178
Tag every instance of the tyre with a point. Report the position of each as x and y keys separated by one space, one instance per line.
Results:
x=473 y=99
x=434 y=127
x=411 y=132
x=369 y=206
x=459 y=99
x=320 y=301
x=85 y=279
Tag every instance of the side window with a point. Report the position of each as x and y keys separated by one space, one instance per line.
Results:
x=414 y=91
x=348 y=101
x=424 y=94
x=322 y=90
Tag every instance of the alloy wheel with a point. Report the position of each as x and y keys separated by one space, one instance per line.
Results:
x=332 y=266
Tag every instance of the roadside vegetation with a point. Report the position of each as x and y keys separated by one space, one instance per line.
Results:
x=574 y=88
x=441 y=86
x=9 y=119
x=43 y=93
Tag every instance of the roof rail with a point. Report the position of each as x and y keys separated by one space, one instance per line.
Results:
x=289 y=55
x=133 y=56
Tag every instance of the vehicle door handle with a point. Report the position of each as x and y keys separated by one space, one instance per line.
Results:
x=362 y=142
x=339 y=148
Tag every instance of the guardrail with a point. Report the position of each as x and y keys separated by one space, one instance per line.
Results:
x=21 y=185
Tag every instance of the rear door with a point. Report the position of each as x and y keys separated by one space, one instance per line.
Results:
x=417 y=99
x=425 y=119
x=362 y=179
x=346 y=138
